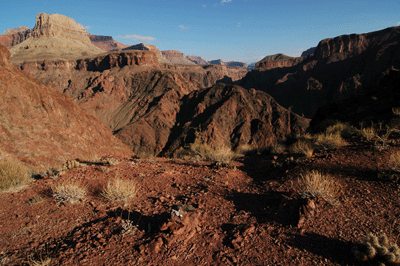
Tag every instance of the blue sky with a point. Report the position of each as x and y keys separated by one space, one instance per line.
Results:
x=231 y=30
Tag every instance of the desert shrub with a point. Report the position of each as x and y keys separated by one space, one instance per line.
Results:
x=378 y=249
x=314 y=184
x=344 y=130
x=326 y=141
x=302 y=147
x=394 y=162
x=69 y=191
x=110 y=161
x=368 y=133
x=72 y=164
x=393 y=169
x=278 y=148
x=221 y=156
x=13 y=174
x=121 y=190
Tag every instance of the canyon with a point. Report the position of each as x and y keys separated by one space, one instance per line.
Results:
x=135 y=113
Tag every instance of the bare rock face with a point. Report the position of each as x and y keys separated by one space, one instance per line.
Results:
x=44 y=127
x=148 y=47
x=106 y=43
x=277 y=60
x=218 y=62
x=231 y=116
x=237 y=64
x=176 y=57
x=339 y=68
x=15 y=36
x=54 y=37
x=197 y=60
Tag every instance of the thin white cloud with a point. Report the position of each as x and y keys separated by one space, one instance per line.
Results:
x=225 y=1
x=183 y=28
x=239 y=25
x=398 y=23
x=88 y=28
x=204 y=6
x=138 y=38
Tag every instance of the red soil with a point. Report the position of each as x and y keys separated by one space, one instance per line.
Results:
x=235 y=217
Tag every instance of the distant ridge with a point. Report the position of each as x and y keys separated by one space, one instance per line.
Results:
x=54 y=37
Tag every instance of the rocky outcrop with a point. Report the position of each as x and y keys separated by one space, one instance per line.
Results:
x=106 y=43
x=44 y=127
x=308 y=52
x=231 y=116
x=236 y=64
x=54 y=37
x=15 y=36
x=148 y=47
x=99 y=63
x=218 y=62
x=197 y=60
x=277 y=60
x=176 y=57
x=339 y=68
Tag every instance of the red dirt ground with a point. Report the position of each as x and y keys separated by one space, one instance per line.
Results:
x=233 y=217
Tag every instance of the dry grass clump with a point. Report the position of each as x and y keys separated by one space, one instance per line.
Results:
x=344 y=130
x=314 y=184
x=72 y=164
x=394 y=162
x=302 y=147
x=221 y=156
x=121 y=190
x=110 y=161
x=377 y=248
x=326 y=141
x=13 y=174
x=69 y=191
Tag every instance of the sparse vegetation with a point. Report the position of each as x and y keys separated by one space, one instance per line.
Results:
x=68 y=191
x=221 y=156
x=377 y=248
x=328 y=141
x=13 y=174
x=72 y=164
x=123 y=190
x=302 y=147
x=314 y=184
x=110 y=161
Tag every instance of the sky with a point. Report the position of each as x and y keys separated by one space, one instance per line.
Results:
x=230 y=30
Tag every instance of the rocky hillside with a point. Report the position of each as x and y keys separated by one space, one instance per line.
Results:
x=197 y=60
x=176 y=57
x=339 y=68
x=137 y=96
x=15 y=36
x=106 y=43
x=54 y=37
x=231 y=116
x=277 y=60
x=44 y=127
